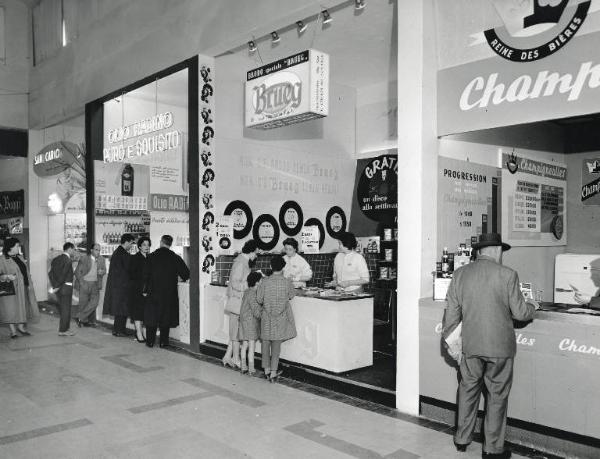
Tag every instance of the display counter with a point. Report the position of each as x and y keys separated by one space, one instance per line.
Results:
x=556 y=372
x=334 y=333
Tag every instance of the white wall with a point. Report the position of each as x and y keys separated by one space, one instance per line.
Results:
x=326 y=144
x=376 y=117
x=14 y=73
x=72 y=131
x=534 y=264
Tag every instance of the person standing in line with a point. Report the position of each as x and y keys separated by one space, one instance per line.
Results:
x=20 y=307
x=89 y=274
x=249 y=327
x=140 y=286
x=277 y=319
x=61 y=279
x=296 y=267
x=118 y=286
x=235 y=291
x=162 y=307
x=485 y=296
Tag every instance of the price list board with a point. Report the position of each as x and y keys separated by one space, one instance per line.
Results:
x=533 y=202
x=468 y=201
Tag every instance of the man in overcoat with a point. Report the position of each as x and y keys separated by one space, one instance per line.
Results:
x=162 y=308
x=118 y=286
x=486 y=297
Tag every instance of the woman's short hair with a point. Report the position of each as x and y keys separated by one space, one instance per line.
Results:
x=277 y=263
x=127 y=238
x=348 y=240
x=250 y=246
x=143 y=239
x=9 y=243
x=253 y=278
x=291 y=242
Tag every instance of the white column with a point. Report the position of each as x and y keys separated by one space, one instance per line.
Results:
x=417 y=165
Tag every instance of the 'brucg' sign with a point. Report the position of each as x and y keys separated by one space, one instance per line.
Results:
x=288 y=91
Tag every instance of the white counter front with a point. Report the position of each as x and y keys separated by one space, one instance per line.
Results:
x=336 y=336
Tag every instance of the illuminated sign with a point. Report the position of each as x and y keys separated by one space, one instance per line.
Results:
x=288 y=91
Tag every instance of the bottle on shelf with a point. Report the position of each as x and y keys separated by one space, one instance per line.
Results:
x=127 y=180
x=445 y=262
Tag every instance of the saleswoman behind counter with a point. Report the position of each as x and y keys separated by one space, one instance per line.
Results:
x=296 y=268
x=350 y=270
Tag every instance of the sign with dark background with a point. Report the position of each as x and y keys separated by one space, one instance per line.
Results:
x=12 y=204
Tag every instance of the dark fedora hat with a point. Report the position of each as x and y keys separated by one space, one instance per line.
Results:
x=490 y=239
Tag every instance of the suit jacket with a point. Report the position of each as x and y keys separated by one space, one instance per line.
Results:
x=61 y=272
x=84 y=266
x=118 y=284
x=485 y=295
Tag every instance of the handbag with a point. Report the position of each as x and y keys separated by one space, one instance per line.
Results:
x=233 y=304
x=7 y=288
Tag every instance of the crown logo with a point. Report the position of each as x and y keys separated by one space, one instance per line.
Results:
x=546 y=11
x=593 y=167
x=512 y=164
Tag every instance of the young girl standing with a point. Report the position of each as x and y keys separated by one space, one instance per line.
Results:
x=277 y=319
x=249 y=326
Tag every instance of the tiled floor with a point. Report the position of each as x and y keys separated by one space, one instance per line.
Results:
x=96 y=396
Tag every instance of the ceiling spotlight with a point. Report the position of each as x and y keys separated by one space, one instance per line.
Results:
x=326 y=17
x=275 y=38
x=359 y=4
x=301 y=26
x=251 y=46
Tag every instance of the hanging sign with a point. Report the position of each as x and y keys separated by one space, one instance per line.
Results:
x=288 y=91
x=58 y=156
x=590 y=182
x=12 y=204
x=309 y=239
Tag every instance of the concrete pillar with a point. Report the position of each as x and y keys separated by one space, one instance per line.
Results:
x=417 y=165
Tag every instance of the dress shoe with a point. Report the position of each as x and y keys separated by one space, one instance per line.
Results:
x=79 y=323
x=503 y=455
x=66 y=333
x=118 y=334
x=165 y=346
x=23 y=332
x=460 y=447
x=149 y=344
x=14 y=336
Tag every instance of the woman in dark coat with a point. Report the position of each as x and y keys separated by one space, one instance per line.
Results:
x=140 y=285
x=162 y=307
x=118 y=286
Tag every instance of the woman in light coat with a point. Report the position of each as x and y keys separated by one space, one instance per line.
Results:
x=18 y=309
x=235 y=292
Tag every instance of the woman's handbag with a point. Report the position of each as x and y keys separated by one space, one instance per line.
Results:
x=7 y=288
x=233 y=304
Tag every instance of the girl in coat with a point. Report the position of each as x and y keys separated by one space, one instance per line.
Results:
x=277 y=319
x=249 y=327
x=17 y=309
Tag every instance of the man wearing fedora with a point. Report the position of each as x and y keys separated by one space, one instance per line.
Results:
x=485 y=297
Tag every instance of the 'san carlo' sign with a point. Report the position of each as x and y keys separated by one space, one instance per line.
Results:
x=12 y=204
x=377 y=190
x=55 y=158
x=288 y=91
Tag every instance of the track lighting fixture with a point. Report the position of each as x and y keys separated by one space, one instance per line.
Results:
x=326 y=17
x=301 y=26
x=275 y=38
x=359 y=4
x=251 y=46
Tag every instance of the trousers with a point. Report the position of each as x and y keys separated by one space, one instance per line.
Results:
x=497 y=375
x=65 y=301
x=151 y=335
x=270 y=354
x=89 y=294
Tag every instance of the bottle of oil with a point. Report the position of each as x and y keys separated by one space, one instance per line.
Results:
x=127 y=180
x=445 y=261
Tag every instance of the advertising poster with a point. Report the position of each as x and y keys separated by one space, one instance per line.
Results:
x=590 y=182
x=533 y=202
x=468 y=202
x=309 y=240
x=224 y=233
